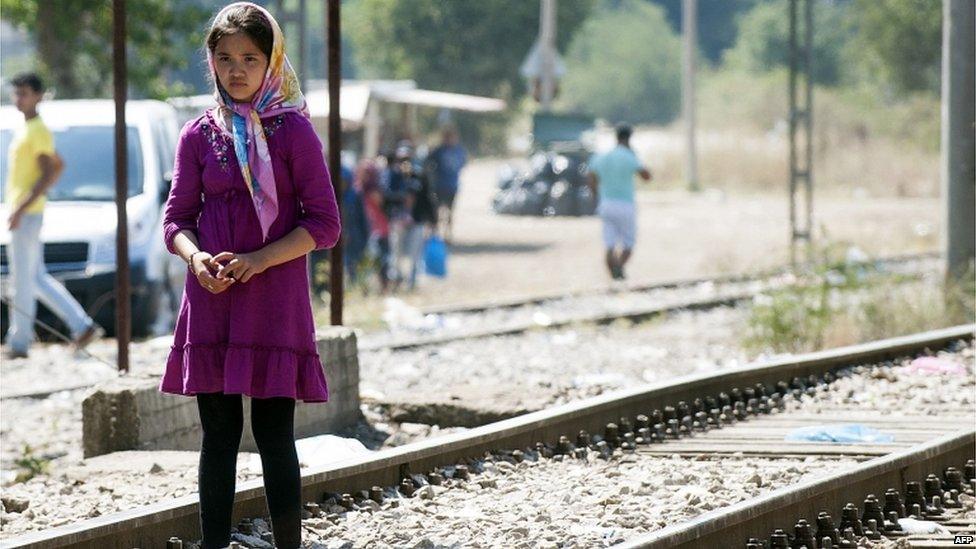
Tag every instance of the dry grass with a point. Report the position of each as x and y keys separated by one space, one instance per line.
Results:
x=824 y=314
x=745 y=161
x=863 y=146
x=890 y=310
x=358 y=311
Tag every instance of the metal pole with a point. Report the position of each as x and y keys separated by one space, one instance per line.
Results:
x=547 y=43
x=371 y=130
x=122 y=305
x=335 y=147
x=808 y=130
x=293 y=19
x=293 y=24
x=689 y=24
x=303 y=52
x=792 y=120
x=801 y=112
x=958 y=143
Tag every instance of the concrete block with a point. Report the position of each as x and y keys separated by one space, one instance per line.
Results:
x=130 y=413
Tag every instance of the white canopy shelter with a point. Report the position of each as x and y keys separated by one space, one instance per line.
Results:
x=359 y=105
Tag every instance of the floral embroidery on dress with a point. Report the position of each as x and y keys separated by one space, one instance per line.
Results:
x=271 y=127
x=219 y=142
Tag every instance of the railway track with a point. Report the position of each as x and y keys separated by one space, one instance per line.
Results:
x=543 y=320
x=805 y=514
x=733 y=417
x=635 y=302
x=523 y=301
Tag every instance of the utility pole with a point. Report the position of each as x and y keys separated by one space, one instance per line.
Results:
x=547 y=44
x=335 y=148
x=801 y=130
x=123 y=326
x=293 y=19
x=958 y=144
x=689 y=35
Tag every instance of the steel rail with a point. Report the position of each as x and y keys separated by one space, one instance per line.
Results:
x=522 y=301
x=757 y=517
x=635 y=314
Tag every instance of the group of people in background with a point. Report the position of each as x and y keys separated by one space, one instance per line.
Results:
x=394 y=204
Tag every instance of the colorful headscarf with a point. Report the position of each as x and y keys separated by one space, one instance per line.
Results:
x=279 y=93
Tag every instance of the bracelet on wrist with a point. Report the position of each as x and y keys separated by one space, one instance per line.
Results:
x=189 y=260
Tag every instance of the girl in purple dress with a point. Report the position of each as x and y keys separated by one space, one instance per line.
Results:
x=251 y=197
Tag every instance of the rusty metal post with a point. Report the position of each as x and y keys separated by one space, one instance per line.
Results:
x=292 y=22
x=808 y=127
x=801 y=123
x=119 y=80
x=302 y=45
x=335 y=147
x=689 y=42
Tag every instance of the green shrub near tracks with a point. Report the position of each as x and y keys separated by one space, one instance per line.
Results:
x=839 y=303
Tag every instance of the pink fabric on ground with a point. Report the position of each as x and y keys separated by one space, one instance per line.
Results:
x=935 y=365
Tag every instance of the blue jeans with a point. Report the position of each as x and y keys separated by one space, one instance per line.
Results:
x=414 y=244
x=31 y=281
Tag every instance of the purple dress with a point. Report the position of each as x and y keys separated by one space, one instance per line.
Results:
x=256 y=338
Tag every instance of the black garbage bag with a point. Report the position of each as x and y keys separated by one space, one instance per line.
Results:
x=522 y=198
x=534 y=198
x=561 y=199
x=556 y=184
x=585 y=200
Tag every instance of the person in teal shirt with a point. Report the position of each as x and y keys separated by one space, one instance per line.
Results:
x=611 y=177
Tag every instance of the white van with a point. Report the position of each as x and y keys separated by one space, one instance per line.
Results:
x=80 y=219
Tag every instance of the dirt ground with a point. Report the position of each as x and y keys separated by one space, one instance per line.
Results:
x=680 y=235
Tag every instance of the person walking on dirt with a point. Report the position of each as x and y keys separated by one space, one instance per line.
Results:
x=34 y=168
x=611 y=178
x=444 y=164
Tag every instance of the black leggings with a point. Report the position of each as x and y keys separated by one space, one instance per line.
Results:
x=272 y=422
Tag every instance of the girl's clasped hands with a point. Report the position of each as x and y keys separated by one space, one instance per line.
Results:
x=217 y=273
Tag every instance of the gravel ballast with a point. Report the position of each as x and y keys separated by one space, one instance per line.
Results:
x=58 y=498
x=591 y=503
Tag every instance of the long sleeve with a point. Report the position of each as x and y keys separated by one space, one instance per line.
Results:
x=320 y=215
x=184 y=203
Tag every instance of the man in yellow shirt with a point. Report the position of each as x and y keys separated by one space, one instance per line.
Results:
x=33 y=168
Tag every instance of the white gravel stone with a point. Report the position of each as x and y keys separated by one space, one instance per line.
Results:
x=589 y=506
x=558 y=366
x=594 y=502
x=107 y=484
x=894 y=390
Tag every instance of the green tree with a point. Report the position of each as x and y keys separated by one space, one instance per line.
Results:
x=74 y=42
x=900 y=42
x=468 y=46
x=625 y=64
x=716 y=23
x=763 y=41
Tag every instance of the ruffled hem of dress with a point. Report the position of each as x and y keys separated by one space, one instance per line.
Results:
x=251 y=370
